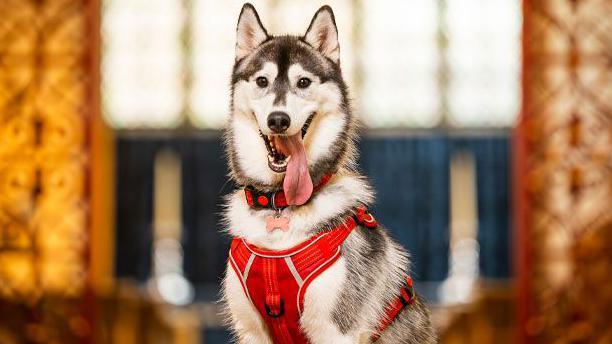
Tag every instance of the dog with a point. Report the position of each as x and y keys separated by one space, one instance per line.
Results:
x=308 y=263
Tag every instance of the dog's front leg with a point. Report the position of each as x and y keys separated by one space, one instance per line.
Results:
x=246 y=322
x=319 y=300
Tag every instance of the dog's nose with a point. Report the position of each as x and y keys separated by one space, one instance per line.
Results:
x=278 y=121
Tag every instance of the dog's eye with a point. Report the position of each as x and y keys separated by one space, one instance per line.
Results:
x=262 y=81
x=303 y=83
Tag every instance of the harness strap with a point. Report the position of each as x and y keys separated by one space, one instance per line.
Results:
x=405 y=298
x=274 y=304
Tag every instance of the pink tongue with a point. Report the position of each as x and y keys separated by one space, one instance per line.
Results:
x=297 y=184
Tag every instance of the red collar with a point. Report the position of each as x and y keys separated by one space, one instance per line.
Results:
x=276 y=199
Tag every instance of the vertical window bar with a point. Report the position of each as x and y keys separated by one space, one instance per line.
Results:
x=187 y=77
x=443 y=68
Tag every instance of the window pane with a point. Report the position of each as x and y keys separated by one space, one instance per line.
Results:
x=142 y=64
x=399 y=56
x=483 y=56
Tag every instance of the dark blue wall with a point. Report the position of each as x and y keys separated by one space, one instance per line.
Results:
x=410 y=174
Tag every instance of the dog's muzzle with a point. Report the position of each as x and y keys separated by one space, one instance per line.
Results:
x=278 y=161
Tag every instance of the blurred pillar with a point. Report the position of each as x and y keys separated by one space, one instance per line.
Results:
x=563 y=176
x=55 y=171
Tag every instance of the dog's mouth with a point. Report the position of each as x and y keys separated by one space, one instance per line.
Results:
x=278 y=152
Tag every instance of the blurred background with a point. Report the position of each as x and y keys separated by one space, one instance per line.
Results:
x=487 y=135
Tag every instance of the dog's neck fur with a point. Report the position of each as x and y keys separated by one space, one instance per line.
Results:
x=341 y=195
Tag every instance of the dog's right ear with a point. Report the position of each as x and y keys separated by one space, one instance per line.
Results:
x=250 y=33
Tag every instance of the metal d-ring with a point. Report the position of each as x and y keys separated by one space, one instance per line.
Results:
x=277 y=314
x=273 y=201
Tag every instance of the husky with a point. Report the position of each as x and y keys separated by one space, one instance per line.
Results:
x=291 y=131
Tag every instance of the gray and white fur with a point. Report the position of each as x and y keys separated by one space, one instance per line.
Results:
x=346 y=302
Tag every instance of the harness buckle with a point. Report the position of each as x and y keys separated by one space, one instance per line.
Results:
x=364 y=218
x=407 y=292
x=248 y=193
x=280 y=312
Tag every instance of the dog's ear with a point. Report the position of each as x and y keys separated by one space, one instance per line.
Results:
x=250 y=33
x=322 y=34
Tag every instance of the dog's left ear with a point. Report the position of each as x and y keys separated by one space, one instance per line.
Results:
x=322 y=34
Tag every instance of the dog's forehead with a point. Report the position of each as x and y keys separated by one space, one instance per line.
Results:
x=283 y=52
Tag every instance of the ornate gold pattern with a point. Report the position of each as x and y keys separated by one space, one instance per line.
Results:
x=567 y=171
x=43 y=157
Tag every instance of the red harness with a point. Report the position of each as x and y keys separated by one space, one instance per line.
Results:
x=275 y=281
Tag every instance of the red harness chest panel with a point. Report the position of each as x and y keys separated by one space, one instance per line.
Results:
x=275 y=281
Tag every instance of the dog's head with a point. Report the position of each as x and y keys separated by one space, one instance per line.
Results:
x=290 y=119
